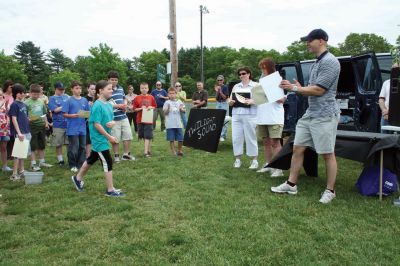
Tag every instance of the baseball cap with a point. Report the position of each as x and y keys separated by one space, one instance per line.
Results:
x=316 y=34
x=59 y=85
x=220 y=77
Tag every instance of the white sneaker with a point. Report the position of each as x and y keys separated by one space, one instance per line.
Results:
x=117 y=159
x=74 y=170
x=35 y=168
x=285 y=188
x=237 y=163
x=44 y=164
x=6 y=169
x=221 y=139
x=276 y=173
x=254 y=165
x=327 y=196
x=265 y=169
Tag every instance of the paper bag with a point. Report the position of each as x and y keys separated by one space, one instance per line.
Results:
x=21 y=148
x=147 y=115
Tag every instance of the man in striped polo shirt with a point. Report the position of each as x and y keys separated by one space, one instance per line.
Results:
x=122 y=129
x=318 y=126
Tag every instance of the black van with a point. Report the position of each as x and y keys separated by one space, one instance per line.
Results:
x=359 y=85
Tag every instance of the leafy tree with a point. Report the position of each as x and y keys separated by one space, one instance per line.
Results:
x=144 y=67
x=81 y=66
x=188 y=85
x=103 y=60
x=32 y=58
x=11 y=69
x=66 y=77
x=297 y=51
x=58 y=61
x=189 y=62
x=356 y=43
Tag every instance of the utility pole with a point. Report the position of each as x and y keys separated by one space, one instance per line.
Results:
x=203 y=10
x=172 y=36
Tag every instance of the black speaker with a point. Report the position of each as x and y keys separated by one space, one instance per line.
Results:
x=394 y=101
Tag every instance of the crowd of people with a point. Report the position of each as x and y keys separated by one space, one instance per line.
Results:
x=106 y=114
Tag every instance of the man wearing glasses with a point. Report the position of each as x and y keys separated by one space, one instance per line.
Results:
x=161 y=96
x=222 y=94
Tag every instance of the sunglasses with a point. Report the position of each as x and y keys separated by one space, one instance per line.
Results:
x=242 y=73
x=158 y=84
x=178 y=85
x=220 y=80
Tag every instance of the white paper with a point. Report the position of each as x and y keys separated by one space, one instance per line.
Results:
x=21 y=148
x=258 y=95
x=270 y=85
x=147 y=115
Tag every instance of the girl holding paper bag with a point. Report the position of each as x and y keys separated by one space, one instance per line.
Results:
x=270 y=120
x=244 y=114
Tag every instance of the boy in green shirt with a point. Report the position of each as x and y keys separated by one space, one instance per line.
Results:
x=38 y=124
x=100 y=124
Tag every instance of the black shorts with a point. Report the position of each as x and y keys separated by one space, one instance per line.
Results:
x=88 y=141
x=145 y=131
x=38 y=141
x=103 y=156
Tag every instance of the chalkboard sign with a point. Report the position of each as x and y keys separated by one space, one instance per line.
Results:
x=204 y=128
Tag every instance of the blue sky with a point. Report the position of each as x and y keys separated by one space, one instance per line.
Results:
x=132 y=27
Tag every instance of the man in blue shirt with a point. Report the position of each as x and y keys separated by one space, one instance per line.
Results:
x=161 y=96
x=122 y=129
x=59 y=121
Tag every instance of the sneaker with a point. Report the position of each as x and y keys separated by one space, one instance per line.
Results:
x=265 y=169
x=15 y=177
x=114 y=193
x=74 y=170
x=44 y=164
x=396 y=202
x=116 y=159
x=327 y=196
x=222 y=139
x=21 y=174
x=117 y=190
x=237 y=163
x=61 y=163
x=35 y=168
x=285 y=188
x=6 y=169
x=276 y=173
x=78 y=184
x=127 y=157
x=254 y=165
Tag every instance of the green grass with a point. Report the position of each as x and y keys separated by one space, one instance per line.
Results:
x=195 y=210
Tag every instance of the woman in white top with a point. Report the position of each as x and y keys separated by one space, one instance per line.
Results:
x=270 y=120
x=244 y=114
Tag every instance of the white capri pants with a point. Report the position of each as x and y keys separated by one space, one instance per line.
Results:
x=244 y=129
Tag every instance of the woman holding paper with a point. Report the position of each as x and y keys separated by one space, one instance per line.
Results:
x=244 y=114
x=270 y=120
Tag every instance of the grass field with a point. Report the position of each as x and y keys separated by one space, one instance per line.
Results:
x=195 y=210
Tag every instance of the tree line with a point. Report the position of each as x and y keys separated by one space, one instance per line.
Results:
x=29 y=64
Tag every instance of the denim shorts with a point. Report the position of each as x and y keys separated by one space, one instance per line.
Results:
x=174 y=134
x=5 y=138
